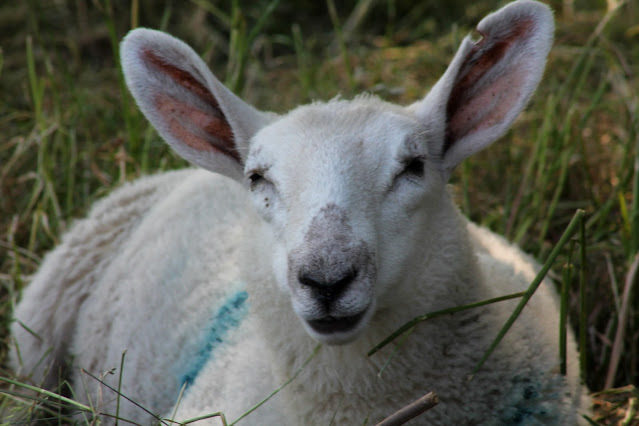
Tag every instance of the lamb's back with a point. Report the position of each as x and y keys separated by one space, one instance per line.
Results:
x=46 y=315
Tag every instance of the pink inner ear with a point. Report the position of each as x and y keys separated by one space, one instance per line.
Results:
x=196 y=128
x=201 y=130
x=488 y=106
x=478 y=99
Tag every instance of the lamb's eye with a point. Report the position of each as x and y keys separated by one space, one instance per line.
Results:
x=255 y=179
x=414 y=168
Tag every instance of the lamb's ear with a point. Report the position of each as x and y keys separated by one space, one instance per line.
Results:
x=196 y=114
x=488 y=82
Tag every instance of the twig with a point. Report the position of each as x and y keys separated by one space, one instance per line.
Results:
x=411 y=411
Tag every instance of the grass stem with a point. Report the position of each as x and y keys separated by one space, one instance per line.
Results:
x=570 y=231
x=412 y=323
x=297 y=373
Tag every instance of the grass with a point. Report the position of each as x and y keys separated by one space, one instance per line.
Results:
x=70 y=132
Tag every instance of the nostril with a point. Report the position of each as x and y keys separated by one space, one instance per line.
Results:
x=346 y=279
x=310 y=280
x=328 y=289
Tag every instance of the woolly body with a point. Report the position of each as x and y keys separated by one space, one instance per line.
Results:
x=519 y=380
x=224 y=291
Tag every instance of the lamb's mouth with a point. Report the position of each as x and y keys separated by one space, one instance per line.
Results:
x=332 y=325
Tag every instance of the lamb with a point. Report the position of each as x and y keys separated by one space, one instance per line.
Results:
x=331 y=223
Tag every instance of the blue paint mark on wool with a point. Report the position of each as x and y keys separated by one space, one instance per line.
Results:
x=526 y=403
x=228 y=317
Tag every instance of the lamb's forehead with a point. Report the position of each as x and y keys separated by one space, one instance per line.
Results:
x=363 y=126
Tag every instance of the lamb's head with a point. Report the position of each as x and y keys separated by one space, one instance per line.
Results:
x=342 y=184
x=348 y=187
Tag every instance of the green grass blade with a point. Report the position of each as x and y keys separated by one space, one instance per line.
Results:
x=297 y=373
x=583 y=313
x=132 y=131
x=564 y=161
x=205 y=417
x=570 y=231
x=400 y=343
x=222 y=17
x=120 y=394
x=45 y=392
x=566 y=279
x=303 y=60
x=37 y=89
x=259 y=25
x=634 y=209
x=339 y=34
x=410 y=324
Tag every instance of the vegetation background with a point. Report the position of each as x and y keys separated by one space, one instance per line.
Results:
x=70 y=132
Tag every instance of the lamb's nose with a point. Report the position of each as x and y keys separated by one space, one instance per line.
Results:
x=327 y=290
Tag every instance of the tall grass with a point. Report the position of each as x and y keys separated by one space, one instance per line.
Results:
x=69 y=131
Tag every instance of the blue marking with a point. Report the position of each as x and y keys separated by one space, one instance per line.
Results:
x=527 y=404
x=227 y=318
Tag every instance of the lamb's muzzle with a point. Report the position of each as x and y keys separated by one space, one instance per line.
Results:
x=332 y=276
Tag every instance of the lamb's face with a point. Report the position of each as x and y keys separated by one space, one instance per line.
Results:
x=344 y=185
